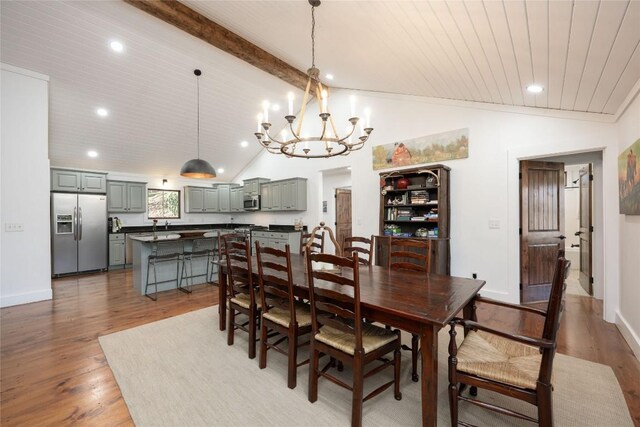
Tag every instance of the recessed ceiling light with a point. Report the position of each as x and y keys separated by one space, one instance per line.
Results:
x=116 y=46
x=329 y=76
x=348 y=168
x=220 y=170
x=92 y=153
x=244 y=144
x=102 y=112
x=535 y=88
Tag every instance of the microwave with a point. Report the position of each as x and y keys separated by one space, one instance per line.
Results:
x=251 y=203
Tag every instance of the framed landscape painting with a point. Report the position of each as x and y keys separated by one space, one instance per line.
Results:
x=425 y=149
x=629 y=180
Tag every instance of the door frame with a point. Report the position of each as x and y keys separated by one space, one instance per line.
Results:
x=606 y=247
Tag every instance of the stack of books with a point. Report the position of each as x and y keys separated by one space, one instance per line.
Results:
x=404 y=214
x=419 y=197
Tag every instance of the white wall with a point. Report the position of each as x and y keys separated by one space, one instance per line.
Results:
x=26 y=262
x=628 y=316
x=572 y=213
x=484 y=186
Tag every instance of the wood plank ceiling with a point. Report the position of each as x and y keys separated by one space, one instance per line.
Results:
x=584 y=53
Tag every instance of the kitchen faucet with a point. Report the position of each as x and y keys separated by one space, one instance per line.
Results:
x=166 y=225
x=155 y=222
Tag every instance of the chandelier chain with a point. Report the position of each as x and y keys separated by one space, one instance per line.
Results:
x=313 y=37
x=198 y=120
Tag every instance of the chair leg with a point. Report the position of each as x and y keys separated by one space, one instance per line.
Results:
x=231 y=325
x=263 y=346
x=356 y=402
x=453 y=404
x=252 y=334
x=396 y=375
x=313 y=373
x=414 y=357
x=545 y=405
x=292 y=358
x=155 y=281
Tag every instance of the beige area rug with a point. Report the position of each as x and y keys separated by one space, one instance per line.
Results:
x=180 y=372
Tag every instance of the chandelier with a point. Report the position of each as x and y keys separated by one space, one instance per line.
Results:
x=328 y=143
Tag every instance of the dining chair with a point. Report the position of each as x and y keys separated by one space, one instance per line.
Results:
x=284 y=318
x=513 y=365
x=339 y=331
x=242 y=293
x=362 y=245
x=410 y=254
x=316 y=246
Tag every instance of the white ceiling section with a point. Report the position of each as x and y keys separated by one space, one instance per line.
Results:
x=584 y=53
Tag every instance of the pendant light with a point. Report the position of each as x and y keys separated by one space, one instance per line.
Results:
x=198 y=168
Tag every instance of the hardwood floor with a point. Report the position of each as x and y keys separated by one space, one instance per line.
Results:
x=53 y=371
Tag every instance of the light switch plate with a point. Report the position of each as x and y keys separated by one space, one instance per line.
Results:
x=13 y=226
x=494 y=223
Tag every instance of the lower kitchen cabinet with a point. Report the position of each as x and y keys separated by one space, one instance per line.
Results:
x=278 y=239
x=117 y=250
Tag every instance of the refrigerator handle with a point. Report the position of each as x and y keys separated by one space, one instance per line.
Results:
x=75 y=223
x=79 y=223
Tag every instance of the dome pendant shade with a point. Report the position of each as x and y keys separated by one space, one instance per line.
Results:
x=198 y=168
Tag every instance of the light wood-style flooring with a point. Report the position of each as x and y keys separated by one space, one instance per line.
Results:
x=53 y=371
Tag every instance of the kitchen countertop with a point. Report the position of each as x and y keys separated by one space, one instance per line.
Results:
x=178 y=227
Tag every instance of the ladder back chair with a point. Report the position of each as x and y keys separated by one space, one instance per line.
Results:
x=242 y=293
x=339 y=331
x=316 y=246
x=362 y=245
x=286 y=318
x=513 y=365
x=410 y=254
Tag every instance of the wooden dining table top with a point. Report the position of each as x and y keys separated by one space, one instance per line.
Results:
x=420 y=297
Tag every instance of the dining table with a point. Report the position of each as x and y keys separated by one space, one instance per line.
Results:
x=416 y=302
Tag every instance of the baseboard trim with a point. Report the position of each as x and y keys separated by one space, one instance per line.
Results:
x=11 y=300
x=629 y=335
x=500 y=296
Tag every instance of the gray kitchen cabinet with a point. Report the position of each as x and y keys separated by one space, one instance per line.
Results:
x=285 y=195
x=224 y=195
x=127 y=197
x=116 y=250
x=278 y=239
x=294 y=194
x=237 y=199
x=78 y=181
x=252 y=187
x=201 y=200
x=271 y=196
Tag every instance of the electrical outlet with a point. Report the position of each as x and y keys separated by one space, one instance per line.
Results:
x=13 y=226
x=474 y=275
x=494 y=223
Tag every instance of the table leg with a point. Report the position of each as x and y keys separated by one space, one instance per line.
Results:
x=222 y=298
x=429 y=380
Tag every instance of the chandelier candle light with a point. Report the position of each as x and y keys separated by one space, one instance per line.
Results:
x=328 y=143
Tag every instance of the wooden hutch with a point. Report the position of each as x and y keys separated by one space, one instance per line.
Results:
x=414 y=203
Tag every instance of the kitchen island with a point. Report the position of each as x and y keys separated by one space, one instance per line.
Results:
x=167 y=272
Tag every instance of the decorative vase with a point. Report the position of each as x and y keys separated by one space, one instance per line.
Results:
x=402 y=183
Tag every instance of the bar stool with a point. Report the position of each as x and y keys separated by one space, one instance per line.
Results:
x=201 y=248
x=162 y=252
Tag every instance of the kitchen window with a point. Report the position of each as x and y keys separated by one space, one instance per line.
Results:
x=163 y=204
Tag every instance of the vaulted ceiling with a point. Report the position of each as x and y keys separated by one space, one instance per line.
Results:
x=585 y=54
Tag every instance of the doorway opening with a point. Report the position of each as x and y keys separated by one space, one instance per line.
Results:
x=576 y=227
x=336 y=204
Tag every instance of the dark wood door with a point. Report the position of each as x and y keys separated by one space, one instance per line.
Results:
x=343 y=215
x=586 y=180
x=541 y=226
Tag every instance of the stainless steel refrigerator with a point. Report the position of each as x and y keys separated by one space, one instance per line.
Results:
x=79 y=239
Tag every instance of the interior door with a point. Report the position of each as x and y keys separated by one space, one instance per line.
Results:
x=586 y=229
x=541 y=226
x=343 y=215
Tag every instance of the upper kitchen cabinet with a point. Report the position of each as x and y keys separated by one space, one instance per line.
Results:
x=201 y=200
x=252 y=187
x=224 y=194
x=127 y=197
x=285 y=195
x=236 y=199
x=78 y=181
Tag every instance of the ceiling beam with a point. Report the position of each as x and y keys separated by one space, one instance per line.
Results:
x=192 y=22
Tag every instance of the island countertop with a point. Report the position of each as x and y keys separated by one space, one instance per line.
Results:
x=174 y=236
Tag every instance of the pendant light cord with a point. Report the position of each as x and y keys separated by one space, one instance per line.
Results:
x=198 y=120
x=313 y=37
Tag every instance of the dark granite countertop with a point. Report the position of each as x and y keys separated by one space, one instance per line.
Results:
x=176 y=227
